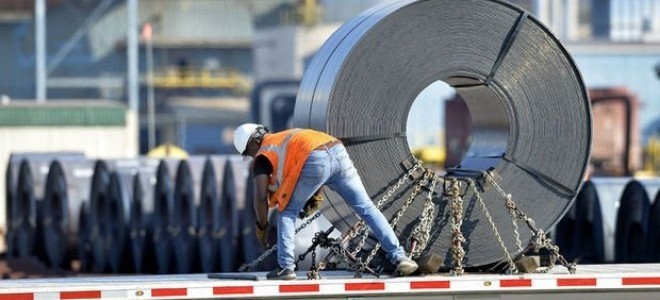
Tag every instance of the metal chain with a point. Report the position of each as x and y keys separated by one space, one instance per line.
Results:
x=511 y=206
x=540 y=240
x=457 y=238
x=477 y=194
x=360 y=228
x=400 y=213
x=313 y=271
x=247 y=266
x=422 y=232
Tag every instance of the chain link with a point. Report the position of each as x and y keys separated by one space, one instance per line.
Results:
x=313 y=271
x=477 y=194
x=511 y=206
x=422 y=232
x=400 y=213
x=539 y=240
x=457 y=238
x=247 y=266
x=360 y=228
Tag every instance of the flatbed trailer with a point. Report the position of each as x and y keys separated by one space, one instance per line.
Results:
x=627 y=282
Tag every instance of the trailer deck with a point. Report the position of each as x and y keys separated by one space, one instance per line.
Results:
x=629 y=281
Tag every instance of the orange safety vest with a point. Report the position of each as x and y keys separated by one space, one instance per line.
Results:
x=287 y=152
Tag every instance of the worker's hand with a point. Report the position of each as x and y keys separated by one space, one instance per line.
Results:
x=262 y=233
x=312 y=205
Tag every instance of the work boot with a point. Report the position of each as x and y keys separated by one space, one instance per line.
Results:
x=281 y=274
x=406 y=266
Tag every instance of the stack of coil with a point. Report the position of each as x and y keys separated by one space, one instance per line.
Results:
x=132 y=215
x=614 y=220
x=529 y=108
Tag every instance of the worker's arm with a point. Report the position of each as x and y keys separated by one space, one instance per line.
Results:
x=260 y=201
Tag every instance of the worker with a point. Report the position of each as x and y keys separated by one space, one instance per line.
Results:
x=289 y=168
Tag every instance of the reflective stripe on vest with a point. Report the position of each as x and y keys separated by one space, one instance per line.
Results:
x=281 y=158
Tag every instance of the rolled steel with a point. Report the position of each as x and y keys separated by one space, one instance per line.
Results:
x=529 y=107
x=209 y=213
x=11 y=184
x=248 y=245
x=233 y=200
x=163 y=205
x=631 y=221
x=11 y=180
x=119 y=211
x=653 y=231
x=141 y=221
x=564 y=234
x=609 y=190
x=29 y=191
x=84 y=244
x=184 y=219
x=99 y=210
x=589 y=239
x=68 y=186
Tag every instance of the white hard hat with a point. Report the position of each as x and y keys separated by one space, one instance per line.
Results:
x=242 y=135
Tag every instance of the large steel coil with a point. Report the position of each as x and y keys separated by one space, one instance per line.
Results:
x=121 y=185
x=233 y=200
x=631 y=221
x=30 y=191
x=589 y=236
x=530 y=112
x=580 y=233
x=653 y=232
x=141 y=221
x=67 y=187
x=98 y=218
x=118 y=211
x=209 y=217
x=84 y=244
x=248 y=245
x=609 y=190
x=184 y=220
x=11 y=185
x=163 y=204
x=564 y=233
x=11 y=180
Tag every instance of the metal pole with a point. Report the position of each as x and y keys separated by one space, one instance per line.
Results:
x=150 y=95
x=132 y=54
x=40 y=49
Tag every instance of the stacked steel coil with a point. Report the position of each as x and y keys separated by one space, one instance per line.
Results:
x=163 y=198
x=184 y=219
x=209 y=217
x=131 y=215
x=141 y=220
x=612 y=222
x=67 y=188
x=13 y=199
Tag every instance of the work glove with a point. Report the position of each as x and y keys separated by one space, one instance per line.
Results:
x=312 y=205
x=262 y=233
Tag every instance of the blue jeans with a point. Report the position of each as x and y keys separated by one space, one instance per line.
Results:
x=333 y=168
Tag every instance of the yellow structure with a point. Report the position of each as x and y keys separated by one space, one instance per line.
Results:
x=167 y=151
x=196 y=78
x=652 y=157
x=309 y=12
x=431 y=155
